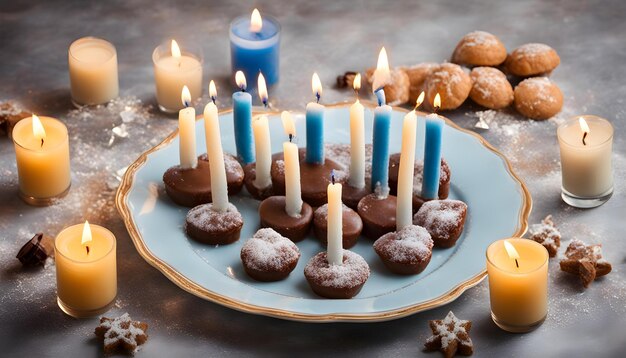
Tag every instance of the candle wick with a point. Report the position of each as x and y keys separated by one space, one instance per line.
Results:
x=584 y=137
x=317 y=95
x=436 y=109
x=332 y=176
x=290 y=138
x=243 y=89
x=186 y=104
x=213 y=99
x=87 y=248
x=265 y=102
x=42 y=142
x=516 y=263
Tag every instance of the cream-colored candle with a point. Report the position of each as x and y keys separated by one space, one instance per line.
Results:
x=42 y=153
x=587 y=171
x=357 y=139
x=334 y=250
x=93 y=71
x=518 y=283
x=174 y=69
x=263 y=152
x=86 y=269
x=404 y=208
x=219 y=188
x=293 y=193
x=187 y=132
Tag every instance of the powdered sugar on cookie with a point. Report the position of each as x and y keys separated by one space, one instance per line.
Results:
x=269 y=250
x=352 y=272
x=412 y=243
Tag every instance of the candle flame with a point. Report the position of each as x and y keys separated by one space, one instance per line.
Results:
x=175 y=49
x=420 y=100
x=240 y=79
x=262 y=89
x=256 y=22
x=316 y=86
x=437 y=102
x=584 y=127
x=38 y=131
x=510 y=250
x=86 y=234
x=288 y=124
x=382 y=76
x=356 y=83
x=185 y=96
x=212 y=91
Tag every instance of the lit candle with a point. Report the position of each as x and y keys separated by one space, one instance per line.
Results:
x=263 y=152
x=242 y=115
x=315 y=125
x=518 y=283
x=93 y=71
x=293 y=193
x=255 y=46
x=587 y=171
x=219 y=188
x=334 y=250
x=187 y=132
x=432 y=152
x=357 y=139
x=42 y=153
x=382 y=123
x=404 y=206
x=174 y=69
x=86 y=270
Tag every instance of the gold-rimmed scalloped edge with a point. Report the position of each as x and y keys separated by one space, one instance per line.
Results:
x=188 y=285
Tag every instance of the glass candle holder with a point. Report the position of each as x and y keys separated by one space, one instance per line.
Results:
x=93 y=71
x=43 y=167
x=86 y=279
x=586 y=165
x=518 y=289
x=171 y=73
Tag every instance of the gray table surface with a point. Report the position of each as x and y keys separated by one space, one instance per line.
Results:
x=329 y=38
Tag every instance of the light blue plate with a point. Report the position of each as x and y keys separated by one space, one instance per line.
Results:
x=498 y=202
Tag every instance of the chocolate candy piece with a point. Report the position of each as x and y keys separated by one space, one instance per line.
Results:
x=36 y=250
x=273 y=215
x=378 y=215
x=352 y=225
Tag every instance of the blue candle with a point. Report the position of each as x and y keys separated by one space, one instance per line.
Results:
x=380 y=153
x=432 y=156
x=255 y=46
x=315 y=125
x=242 y=114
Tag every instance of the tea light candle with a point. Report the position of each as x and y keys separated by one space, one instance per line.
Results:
x=187 y=132
x=219 y=188
x=334 y=230
x=404 y=207
x=432 y=152
x=42 y=153
x=315 y=125
x=382 y=124
x=86 y=270
x=293 y=191
x=174 y=69
x=242 y=116
x=587 y=170
x=93 y=71
x=357 y=139
x=255 y=46
x=518 y=283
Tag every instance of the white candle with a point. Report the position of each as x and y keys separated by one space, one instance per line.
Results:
x=263 y=152
x=219 y=189
x=187 y=133
x=334 y=250
x=293 y=194
x=357 y=140
x=93 y=71
x=404 y=208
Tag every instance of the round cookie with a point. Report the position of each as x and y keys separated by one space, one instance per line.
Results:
x=378 y=215
x=417 y=75
x=451 y=82
x=396 y=92
x=269 y=256
x=490 y=88
x=532 y=59
x=538 y=98
x=352 y=225
x=443 y=219
x=479 y=48
x=234 y=172
x=337 y=281
x=405 y=252
x=209 y=226
x=188 y=186
x=273 y=215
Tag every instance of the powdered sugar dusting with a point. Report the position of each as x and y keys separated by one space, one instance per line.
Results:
x=353 y=272
x=269 y=250
x=479 y=38
x=411 y=244
x=440 y=217
x=204 y=216
x=230 y=162
x=531 y=50
x=321 y=213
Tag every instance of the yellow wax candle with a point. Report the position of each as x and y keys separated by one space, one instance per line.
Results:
x=86 y=269
x=93 y=71
x=174 y=69
x=357 y=139
x=518 y=283
x=404 y=208
x=42 y=153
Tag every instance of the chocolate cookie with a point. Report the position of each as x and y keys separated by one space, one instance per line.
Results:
x=443 y=219
x=250 y=176
x=234 y=172
x=352 y=225
x=405 y=252
x=273 y=215
x=337 y=281
x=378 y=215
x=209 y=226
x=269 y=256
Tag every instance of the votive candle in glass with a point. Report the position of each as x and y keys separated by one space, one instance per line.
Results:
x=93 y=71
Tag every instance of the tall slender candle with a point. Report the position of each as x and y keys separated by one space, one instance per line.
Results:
x=219 y=189
x=187 y=132
x=432 y=152
x=242 y=114
x=293 y=192
x=315 y=125
x=382 y=124
x=357 y=139
x=404 y=207
x=263 y=152
x=334 y=250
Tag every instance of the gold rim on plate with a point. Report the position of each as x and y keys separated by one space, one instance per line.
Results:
x=195 y=289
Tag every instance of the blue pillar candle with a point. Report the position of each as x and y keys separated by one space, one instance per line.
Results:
x=315 y=125
x=242 y=115
x=432 y=156
x=255 y=46
x=380 y=153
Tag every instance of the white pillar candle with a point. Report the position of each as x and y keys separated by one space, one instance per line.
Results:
x=219 y=188
x=93 y=71
x=404 y=208
x=357 y=140
x=293 y=193
x=187 y=133
x=263 y=152
x=334 y=250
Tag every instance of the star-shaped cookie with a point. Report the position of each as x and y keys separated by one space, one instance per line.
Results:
x=121 y=334
x=585 y=261
x=450 y=336
x=547 y=235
